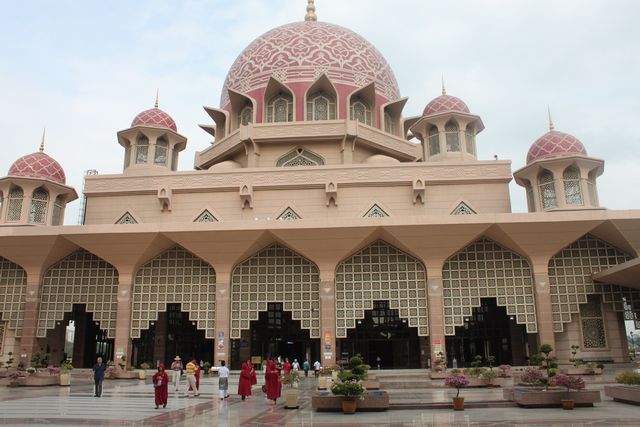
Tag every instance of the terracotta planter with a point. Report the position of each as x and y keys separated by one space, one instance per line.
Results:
x=349 y=405
x=623 y=393
x=567 y=404
x=458 y=403
x=291 y=398
x=65 y=379
x=322 y=383
x=142 y=374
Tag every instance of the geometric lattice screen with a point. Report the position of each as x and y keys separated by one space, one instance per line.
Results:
x=13 y=287
x=176 y=276
x=570 y=280
x=485 y=269
x=275 y=274
x=381 y=272
x=592 y=323
x=80 y=278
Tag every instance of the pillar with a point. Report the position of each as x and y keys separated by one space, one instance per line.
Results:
x=543 y=305
x=436 y=312
x=28 y=341
x=328 y=355
x=222 y=340
x=122 y=343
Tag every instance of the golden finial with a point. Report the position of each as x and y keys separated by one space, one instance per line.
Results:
x=311 y=11
x=157 y=92
x=42 y=140
x=550 y=119
x=444 y=91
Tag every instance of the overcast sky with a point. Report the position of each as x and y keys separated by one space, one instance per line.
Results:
x=85 y=69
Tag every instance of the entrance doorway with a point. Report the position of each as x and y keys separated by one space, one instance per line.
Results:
x=275 y=334
x=489 y=331
x=172 y=334
x=383 y=334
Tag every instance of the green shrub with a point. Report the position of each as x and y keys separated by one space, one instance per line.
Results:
x=628 y=378
x=355 y=360
x=145 y=365
x=348 y=389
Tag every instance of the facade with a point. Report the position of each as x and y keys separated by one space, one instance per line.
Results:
x=320 y=222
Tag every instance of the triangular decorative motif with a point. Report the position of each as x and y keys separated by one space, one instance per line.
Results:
x=463 y=209
x=127 y=218
x=375 y=212
x=289 y=215
x=206 y=216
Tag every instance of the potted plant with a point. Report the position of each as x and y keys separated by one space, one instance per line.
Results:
x=570 y=382
x=488 y=375
x=143 y=370
x=458 y=381
x=532 y=377
x=65 y=373
x=504 y=370
x=291 y=394
x=351 y=391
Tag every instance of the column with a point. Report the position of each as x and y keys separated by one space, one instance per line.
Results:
x=328 y=354
x=28 y=341
x=543 y=305
x=436 y=313
x=122 y=345
x=222 y=339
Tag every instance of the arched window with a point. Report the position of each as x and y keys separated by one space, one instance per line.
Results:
x=280 y=108
x=56 y=216
x=360 y=111
x=127 y=155
x=434 y=141
x=300 y=157
x=452 y=137
x=162 y=148
x=470 y=137
x=245 y=117
x=142 y=149
x=572 y=188
x=389 y=123
x=39 y=205
x=321 y=106
x=593 y=190
x=14 y=204
x=547 y=190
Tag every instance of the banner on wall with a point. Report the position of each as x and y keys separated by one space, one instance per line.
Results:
x=220 y=340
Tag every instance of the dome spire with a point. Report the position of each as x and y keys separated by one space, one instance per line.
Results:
x=444 y=90
x=551 y=127
x=42 y=140
x=157 y=93
x=311 y=11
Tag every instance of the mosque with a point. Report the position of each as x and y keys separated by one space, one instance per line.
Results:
x=321 y=222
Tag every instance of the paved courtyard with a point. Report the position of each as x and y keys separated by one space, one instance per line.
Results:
x=130 y=402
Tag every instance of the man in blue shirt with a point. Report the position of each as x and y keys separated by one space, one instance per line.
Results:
x=98 y=376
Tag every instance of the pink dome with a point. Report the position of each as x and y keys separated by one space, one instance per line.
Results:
x=555 y=144
x=443 y=104
x=156 y=118
x=302 y=52
x=38 y=165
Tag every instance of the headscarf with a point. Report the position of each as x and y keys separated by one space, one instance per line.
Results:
x=161 y=368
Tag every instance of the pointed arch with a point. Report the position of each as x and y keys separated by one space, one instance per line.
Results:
x=572 y=186
x=434 y=141
x=485 y=269
x=39 y=206
x=79 y=278
x=570 y=279
x=547 y=190
x=142 y=149
x=13 y=289
x=279 y=102
x=176 y=276
x=320 y=100
x=361 y=104
x=300 y=156
x=14 y=204
x=381 y=271
x=452 y=136
x=275 y=274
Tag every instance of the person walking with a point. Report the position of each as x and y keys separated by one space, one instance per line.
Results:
x=316 y=369
x=176 y=371
x=98 y=376
x=287 y=366
x=161 y=386
x=223 y=381
x=191 y=379
x=272 y=381
x=306 y=366
x=198 y=372
x=247 y=375
x=295 y=365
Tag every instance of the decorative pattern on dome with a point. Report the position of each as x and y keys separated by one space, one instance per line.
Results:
x=156 y=118
x=38 y=165
x=445 y=103
x=302 y=51
x=555 y=144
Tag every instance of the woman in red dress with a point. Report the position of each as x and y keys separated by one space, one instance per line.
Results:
x=247 y=376
x=287 y=366
x=272 y=381
x=161 y=386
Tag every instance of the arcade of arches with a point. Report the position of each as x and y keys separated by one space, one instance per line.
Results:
x=489 y=306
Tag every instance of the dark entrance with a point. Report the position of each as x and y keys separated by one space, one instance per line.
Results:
x=171 y=335
x=383 y=334
x=275 y=334
x=488 y=332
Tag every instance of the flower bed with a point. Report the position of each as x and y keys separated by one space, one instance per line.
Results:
x=537 y=398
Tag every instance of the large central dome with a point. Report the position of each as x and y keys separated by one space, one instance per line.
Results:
x=303 y=51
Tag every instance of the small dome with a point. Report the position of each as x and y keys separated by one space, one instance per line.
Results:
x=443 y=104
x=38 y=165
x=555 y=144
x=156 y=118
x=381 y=158
x=227 y=164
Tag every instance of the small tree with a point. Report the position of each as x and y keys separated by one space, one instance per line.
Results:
x=491 y=360
x=458 y=381
x=357 y=370
x=291 y=379
x=570 y=382
x=477 y=361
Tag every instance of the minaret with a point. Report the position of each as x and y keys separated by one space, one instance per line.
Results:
x=311 y=11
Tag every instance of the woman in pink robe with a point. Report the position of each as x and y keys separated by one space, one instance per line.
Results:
x=161 y=386
x=246 y=379
x=272 y=381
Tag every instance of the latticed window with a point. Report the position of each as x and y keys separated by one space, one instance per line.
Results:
x=174 y=159
x=56 y=216
x=572 y=188
x=470 y=137
x=39 y=205
x=13 y=289
x=321 y=107
x=360 y=112
x=389 y=123
x=434 y=141
x=547 y=190
x=14 y=204
x=452 y=136
x=289 y=215
x=127 y=155
x=593 y=190
x=245 y=117
x=142 y=149
x=592 y=323
x=162 y=148
x=300 y=157
x=280 y=109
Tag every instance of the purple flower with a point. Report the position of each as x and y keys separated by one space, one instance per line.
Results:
x=532 y=376
x=571 y=382
x=458 y=381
